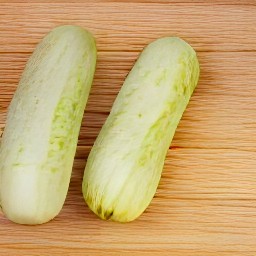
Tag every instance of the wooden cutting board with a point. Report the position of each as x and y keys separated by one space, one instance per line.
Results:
x=206 y=200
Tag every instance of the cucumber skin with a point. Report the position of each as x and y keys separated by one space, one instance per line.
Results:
x=43 y=122
x=125 y=164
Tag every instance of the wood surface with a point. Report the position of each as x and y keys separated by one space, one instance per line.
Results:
x=206 y=200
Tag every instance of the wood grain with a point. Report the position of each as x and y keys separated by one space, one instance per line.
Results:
x=206 y=200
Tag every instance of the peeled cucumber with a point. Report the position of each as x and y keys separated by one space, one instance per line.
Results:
x=43 y=122
x=125 y=164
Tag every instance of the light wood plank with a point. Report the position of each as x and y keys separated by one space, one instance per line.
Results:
x=206 y=200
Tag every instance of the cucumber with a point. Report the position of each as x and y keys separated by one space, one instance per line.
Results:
x=126 y=161
x=43 y=122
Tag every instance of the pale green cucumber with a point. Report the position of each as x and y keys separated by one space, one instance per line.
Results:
x=125 y=164
x=43 y=122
